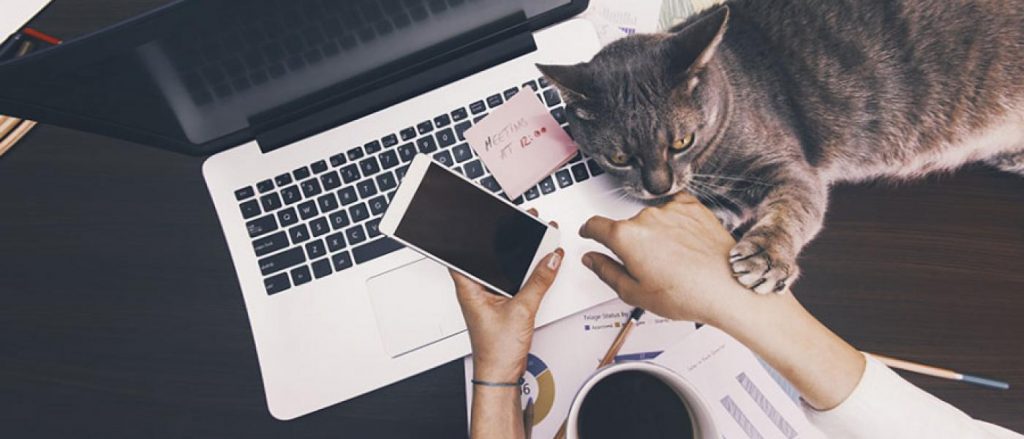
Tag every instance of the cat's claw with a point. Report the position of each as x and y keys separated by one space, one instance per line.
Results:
x=758 y=267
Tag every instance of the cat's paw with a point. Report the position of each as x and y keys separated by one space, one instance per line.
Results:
x=761 y=266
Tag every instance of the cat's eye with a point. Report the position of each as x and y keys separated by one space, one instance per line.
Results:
x=619 y=159
x=684 y=143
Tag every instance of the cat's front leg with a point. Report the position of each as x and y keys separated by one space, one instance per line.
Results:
x=791 y=213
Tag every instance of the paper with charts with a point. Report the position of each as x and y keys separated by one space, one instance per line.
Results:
x=566 y=352
x=747 y=399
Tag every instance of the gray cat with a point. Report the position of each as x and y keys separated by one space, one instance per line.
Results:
x=757 y=106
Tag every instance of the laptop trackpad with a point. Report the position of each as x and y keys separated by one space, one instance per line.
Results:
x=415 y=305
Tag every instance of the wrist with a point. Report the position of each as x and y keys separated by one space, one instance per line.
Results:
x=498 y=373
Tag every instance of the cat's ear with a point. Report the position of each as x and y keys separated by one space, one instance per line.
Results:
x=692 y=47
x=571 y=81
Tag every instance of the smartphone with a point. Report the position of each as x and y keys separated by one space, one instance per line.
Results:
x=463 y=226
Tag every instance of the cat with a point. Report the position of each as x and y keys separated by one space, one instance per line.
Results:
x=758 y=106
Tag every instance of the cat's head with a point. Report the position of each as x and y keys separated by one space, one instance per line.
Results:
x=638 y=107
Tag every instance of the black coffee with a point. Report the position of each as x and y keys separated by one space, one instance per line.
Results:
x=632 y=404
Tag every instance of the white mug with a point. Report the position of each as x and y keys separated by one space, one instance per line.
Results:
x=702 y=420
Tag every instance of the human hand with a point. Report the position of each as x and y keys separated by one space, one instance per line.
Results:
x=674 y=261
x=500 y=328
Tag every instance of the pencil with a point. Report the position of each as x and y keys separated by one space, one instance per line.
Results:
x=7 y=123
x=613 y=351
x=16 y=135
x=528 y=419
x=940 y=372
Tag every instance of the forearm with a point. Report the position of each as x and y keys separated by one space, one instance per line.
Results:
x=496 y=413
x=823 y=367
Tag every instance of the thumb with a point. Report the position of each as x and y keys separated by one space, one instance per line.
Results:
x=541 y=279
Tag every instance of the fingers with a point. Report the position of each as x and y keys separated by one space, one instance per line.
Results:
x=612 y=273
x=541 y=279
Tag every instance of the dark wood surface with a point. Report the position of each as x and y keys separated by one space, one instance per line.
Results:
x=121 y=315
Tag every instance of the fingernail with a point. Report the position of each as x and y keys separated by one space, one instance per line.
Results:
x=554 y=260
x=588 y=261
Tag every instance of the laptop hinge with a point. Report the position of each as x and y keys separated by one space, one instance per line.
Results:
x=514 y=39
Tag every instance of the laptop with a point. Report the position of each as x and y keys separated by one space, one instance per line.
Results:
x=310 y=112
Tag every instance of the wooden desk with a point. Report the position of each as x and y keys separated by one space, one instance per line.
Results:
x=121 y=314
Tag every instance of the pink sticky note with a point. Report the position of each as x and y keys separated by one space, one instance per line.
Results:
x=521 y=143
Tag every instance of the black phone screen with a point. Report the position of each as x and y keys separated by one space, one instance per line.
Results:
x=459 y=223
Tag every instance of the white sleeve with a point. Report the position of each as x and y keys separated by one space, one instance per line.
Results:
x=884 y=405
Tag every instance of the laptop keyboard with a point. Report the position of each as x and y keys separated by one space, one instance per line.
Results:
x=323 y=218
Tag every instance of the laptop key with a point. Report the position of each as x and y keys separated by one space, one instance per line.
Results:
x=319 y=226
x=459 y=114
x=321 y=268
x=355 y=234
x=283 y=180
x=261 y=226
x=474 y=169
x=510 y=92
x=378 y=205
x=335 y=242
x=389 y=140
x=301 y=173
x=319 y=167
x=552 y=98
x=372 y=147
x=531 y=84
x=559 y=115
x=341 y=261
x=426 y=144
x=389 y=159
x=270 y=202
x=250 y=209
x=307 y=209
x=445 y=138
x=291 y=194
x=367 y=188
x=424 y=127
x=327 y=202
x=462 y=152
x=595 y=169
x=244 y=193
x=282 y=261
x=564 y=178
x=311 y=188
x=491 y=184
x=316 y=249
x=339 y=219
x=547 y=185
x=347 y=196
x=355 y=153
x=270 y=244
x=408 y=133
x=358 y=212
x=300 y=275
x=350 y=173
x=543 y=81
x=369 y=166
x=277 y=284
x=445 y=158
x=299 y=234
x=407 y=152
x=387 y=181
x=373 y=228
x=287 y=217
x=532 y=194
x=265 y=186
x=460 y=129
x=442 y=121
x=375 y=249
x=494 y=101
x=400 y=172
x=330 y=180
x=338 y=160
x=579 y=172
x=477 y=107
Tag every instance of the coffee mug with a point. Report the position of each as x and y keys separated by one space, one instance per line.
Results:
x=700 y=418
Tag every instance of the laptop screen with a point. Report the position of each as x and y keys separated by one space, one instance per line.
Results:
x=197 y=75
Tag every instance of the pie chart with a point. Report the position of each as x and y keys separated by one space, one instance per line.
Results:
x=539 y=385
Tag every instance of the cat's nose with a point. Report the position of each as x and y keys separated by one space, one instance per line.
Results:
x=658 y=182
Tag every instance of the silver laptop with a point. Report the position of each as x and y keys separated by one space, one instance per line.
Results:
x=315 y=109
